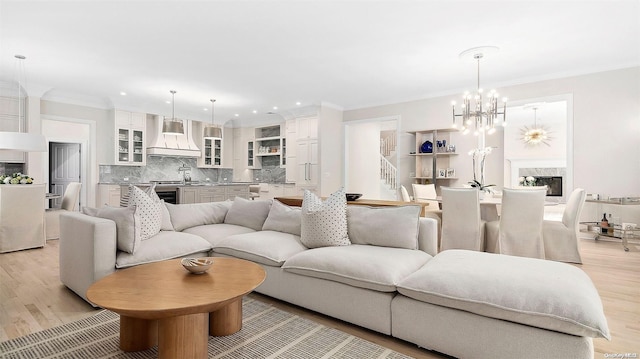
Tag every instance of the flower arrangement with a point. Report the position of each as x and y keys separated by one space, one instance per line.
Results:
x=16 y=178
x=479 y=155
x=527 y=181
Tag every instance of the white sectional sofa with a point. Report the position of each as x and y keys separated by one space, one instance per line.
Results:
x=390 y=279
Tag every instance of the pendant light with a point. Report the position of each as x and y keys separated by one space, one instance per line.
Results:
x=173 y=126
x=536 y=134
x=212 y=131
x=22 y=140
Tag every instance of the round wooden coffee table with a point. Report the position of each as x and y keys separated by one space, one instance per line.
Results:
x=162 y=303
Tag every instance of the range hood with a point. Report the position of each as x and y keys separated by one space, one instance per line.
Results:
x=160 y=144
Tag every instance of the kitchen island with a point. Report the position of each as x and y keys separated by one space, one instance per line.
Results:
x=115 y=194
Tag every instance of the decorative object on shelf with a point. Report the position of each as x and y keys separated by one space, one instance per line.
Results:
x=535 y=135
x=451 y=148
x=451 y=172
x=22 y=141
x=484 y=118
x=172 y=126
x=442 y=173
x=479 y=156
x=427 y=147
x=212 y=131
x=527 y=181
x=16 y=178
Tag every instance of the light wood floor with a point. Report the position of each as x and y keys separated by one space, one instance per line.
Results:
x=32 y=298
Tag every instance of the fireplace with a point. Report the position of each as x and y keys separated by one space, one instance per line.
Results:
x=553 y=183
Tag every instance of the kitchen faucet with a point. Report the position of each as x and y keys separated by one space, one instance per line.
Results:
x=186 y=174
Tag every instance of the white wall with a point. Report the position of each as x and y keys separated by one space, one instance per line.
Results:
x=606 y=128
x=330 y=132
x=362 y=159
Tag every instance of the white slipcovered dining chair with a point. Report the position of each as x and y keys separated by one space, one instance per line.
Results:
x=404 y=194
x=518 y=232
x=426 y=193
x=52 y=215
x=561 y=238
x=462 y=227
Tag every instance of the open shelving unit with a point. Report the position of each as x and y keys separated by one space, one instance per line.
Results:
x=434 y=167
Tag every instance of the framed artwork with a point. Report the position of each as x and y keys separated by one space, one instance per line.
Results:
x=451 y=172
x=442 y=172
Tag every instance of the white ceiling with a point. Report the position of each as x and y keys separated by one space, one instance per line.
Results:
x=253 y=55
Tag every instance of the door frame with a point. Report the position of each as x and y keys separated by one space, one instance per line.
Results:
x=82 y=160
x=345 y=138
x=87 y=156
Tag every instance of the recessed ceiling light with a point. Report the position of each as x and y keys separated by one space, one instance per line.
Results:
x=298 y=103
x=275 y=107
x=122 y=93
x=236 y=115
x=205 y=109
x=168 y=101
x=255 y=111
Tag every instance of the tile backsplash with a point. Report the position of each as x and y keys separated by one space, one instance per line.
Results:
x=161 y=168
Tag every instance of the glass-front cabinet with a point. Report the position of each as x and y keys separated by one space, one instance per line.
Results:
x=212 y=152
x=130 y=138
x=250 y=160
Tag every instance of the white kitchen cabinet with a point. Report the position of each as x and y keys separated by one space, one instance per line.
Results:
x=188 y=195
x=130 y=147
x=290 y=156
x=308 y=171
x=108 y=194
x=307 y=128
x=211 y=148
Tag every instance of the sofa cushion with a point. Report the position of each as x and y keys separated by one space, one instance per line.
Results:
x=324 y=223
x=162 y=246
x=248 y=213
x=149 y=211
x=384 y=226
x=214 y=233
x=265 y=247
x=166 y=224
x=364 y=266
x=196 y=214
x=127 y=225
x=283 y=218
x=540 y=293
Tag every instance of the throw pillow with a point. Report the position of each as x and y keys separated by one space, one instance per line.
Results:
x=283 y=218
x=196 y=214
x=248 y=213
x=127 y=225
x=149 y=210
x=324 y=223
x=384 y=226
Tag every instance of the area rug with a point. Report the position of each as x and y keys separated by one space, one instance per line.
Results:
x=267 y=332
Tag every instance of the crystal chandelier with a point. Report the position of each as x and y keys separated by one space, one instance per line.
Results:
x=212 y=131
x=535 y=135
x=173 y=126
x=482 y=116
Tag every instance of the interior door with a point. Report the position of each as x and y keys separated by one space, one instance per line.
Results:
x=64 y=168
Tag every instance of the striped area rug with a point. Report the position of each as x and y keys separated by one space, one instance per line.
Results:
x=267 y=332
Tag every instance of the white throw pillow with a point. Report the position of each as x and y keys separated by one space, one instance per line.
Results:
x=127 y=225
x=324 y=223
x=247 y=213
x=190 y=215
x=149 y=210
x=283 y=218
x=384 y=226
